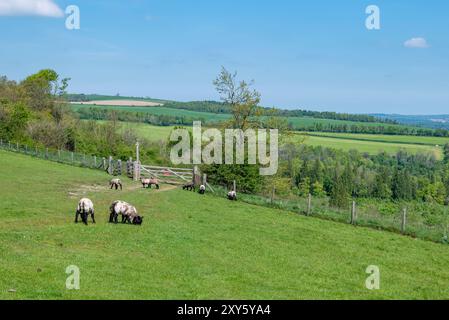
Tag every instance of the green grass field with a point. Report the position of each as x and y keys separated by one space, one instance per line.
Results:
x=371 y=144
x=191 y=247
x=159 y=111
x=296 y=122
x=430 y=141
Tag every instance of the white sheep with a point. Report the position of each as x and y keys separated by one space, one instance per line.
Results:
x=128 y=212
x=85 y=208
x=202 y=189
x=232 y=195
x=116 y=183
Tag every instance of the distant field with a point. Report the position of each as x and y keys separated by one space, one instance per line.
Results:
x=371 y=147
x=371 y=144
x=129 y=103
x=431 y=141
x=296 y=122
x=160 y=111
x=308 y=121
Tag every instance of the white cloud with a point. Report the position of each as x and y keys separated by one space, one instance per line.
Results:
x=46 y=8
x=420 y=43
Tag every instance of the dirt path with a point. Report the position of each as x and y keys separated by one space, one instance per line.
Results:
x=82 y=190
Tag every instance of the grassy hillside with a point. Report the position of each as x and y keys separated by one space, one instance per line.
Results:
x=371 y=144
x=296 y=122
x=371 y=147
x=398 y=139
x=159 y=111
x=190 y=246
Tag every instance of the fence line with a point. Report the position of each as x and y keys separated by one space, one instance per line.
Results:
x=110 y=165
x=405 y=221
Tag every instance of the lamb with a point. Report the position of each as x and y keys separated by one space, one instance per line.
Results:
x=189 y=186
x=202 y=189
x=84 y=208
x=155 y=182
x=128 y=212
x=147 y=183
x=232 y=195
x=116 y=183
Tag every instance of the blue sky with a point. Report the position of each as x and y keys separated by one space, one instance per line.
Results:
x=315 y=55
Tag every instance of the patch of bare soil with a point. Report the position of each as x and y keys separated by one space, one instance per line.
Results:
x=84 y=189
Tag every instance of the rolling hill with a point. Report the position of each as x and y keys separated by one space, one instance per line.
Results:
x=191 y=247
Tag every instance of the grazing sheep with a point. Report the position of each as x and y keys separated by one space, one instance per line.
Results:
x=128 y=212
x=155 y=182
x=202 y=189
x=147 y=183
x=232 y=195
x=116 y=183
x=84 y=208
x=189 y=186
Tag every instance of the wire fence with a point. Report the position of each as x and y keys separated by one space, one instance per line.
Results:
x=407 y=221
x=110 y=165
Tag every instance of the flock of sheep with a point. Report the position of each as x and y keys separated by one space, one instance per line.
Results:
x=128 y=212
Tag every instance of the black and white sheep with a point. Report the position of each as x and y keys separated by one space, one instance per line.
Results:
x=84 y=209
x=232 y=195
x=117 y=183
x=189 y=186
x=128 y=212
x=202 y=189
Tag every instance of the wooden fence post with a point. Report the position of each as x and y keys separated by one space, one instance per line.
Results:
x=204 y=179
x=104 y=163
x=404 y=220
x=72 y=156
x=309 y=205
x=234 y=187
x=353 y=214
x=119 y=167
x=136 y=171
x=110 y=166
x=129 y=167
x=95 y=161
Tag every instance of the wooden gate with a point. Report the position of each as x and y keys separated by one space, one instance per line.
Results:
x=167 y=175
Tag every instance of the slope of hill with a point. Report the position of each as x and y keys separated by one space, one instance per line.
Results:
x=440 y=121
x=190 y=246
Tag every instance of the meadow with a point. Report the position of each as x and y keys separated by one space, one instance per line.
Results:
x=161 y=111
x=191 y=247
x=370 y=146
x=368 y=143
x=398 y=139
x=295 y=122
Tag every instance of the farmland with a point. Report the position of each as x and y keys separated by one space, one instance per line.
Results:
x=418 y=140
x=161 y=111
x=191 y=247
x=295 y=122
x=371 y=144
